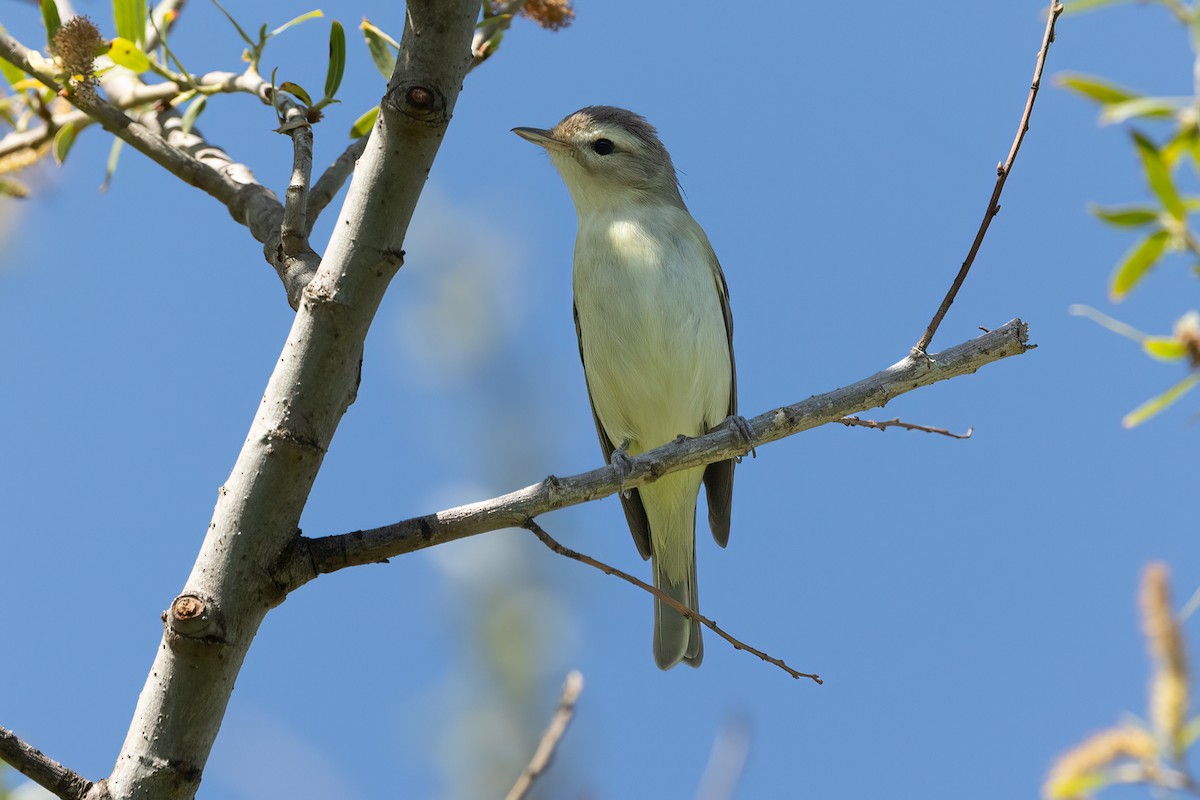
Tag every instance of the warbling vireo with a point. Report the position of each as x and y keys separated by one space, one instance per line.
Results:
x=656 y=339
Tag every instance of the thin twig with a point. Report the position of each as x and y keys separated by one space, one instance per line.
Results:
x=552 y=736
x=851 y=422
x=1002 y=173
x=40 y=768
x=332 y=179
x=310 y=557
x=689 y=613
x=301 y=261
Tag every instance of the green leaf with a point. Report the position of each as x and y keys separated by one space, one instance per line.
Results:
x=337 y=59
x=1190 y=733
x=1165 y=348
x=1094 y=88
x=11 y=187
x=52 y=21
x=12 y=73
x=302 y=18
x=297 y=91
x=1115 y=113
x=1125 y=216
x=128 y=55
x=193 y=111
x=130 y=19
x=380 y=46
x=245 y=36
x=110 y=169
x=1080 y=6
x=1158 y=175
x=1136 y=264
x=1155 y=405
x=64 y=137
x=363 y=125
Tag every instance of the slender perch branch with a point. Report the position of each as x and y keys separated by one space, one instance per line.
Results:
x=40 y=768
x=311 y=557
x=852 y=422
x=550 y=739
x=690 y=613
x=1002 y=173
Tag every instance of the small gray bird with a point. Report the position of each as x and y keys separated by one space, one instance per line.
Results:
x=656 y=339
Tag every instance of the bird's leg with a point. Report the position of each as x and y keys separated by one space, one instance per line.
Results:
x=620 y=462
x=741 y=427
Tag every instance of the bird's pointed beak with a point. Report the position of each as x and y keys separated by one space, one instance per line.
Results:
x=538 y=136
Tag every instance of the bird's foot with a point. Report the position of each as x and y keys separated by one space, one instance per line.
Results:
x=741 y=427
x=620 y=463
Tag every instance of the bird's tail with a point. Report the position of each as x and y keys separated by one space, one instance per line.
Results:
x=676 y=638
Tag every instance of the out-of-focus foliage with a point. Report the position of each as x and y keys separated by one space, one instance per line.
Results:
x=1154 y=751
x=1165 y=133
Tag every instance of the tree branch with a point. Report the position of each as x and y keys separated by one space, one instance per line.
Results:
x=211 y=624
x=331 y=180
x=312 y=557
x=1002 y=173
x=300 y=260
x=550 y=739
x=41 y=769
x=689 y=613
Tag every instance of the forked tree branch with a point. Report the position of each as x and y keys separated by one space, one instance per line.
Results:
x=310 y=557
x=1002 y=173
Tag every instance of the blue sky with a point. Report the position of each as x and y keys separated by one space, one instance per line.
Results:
x=969 y=603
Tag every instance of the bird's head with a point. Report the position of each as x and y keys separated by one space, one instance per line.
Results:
x=608 y=157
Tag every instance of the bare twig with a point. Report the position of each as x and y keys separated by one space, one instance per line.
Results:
x=1002 y=173
x=309 y=557
x=851 y=422
x=690 y=613
x=301 y=262
x=331 y=180
x=552 y=736
x=727 y=763
x=41 y=769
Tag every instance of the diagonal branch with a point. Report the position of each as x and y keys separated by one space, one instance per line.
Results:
x=331 y=180
x=1002 y=172
x=40 y=768
x=687 y=612
x=550 y=739
x=851 y=422
x=309 y=557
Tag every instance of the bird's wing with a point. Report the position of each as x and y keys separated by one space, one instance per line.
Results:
x=718 y=476
x=635 y=512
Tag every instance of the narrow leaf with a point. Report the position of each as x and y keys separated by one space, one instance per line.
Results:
x=12 y=73
x=1094 y=88
x=110 y=169
x=1115 y=113
x=337 y=59
x=64 y=137
x=128 y=55
x=302 y=18
x=1165 y=348
x=1156 y=405
x=1136 y=264
x=52 y=21
x=297 y=91
x=193 y=111
x=1080 y=6
x=11 y=187
x=1114 y=325
x=245 y=36
x=1159 y=176
x=1125 y=216
x=380 y=46
x=129 y=17
x=363 y=125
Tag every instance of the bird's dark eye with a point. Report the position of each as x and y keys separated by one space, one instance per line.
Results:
x=602 y=146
